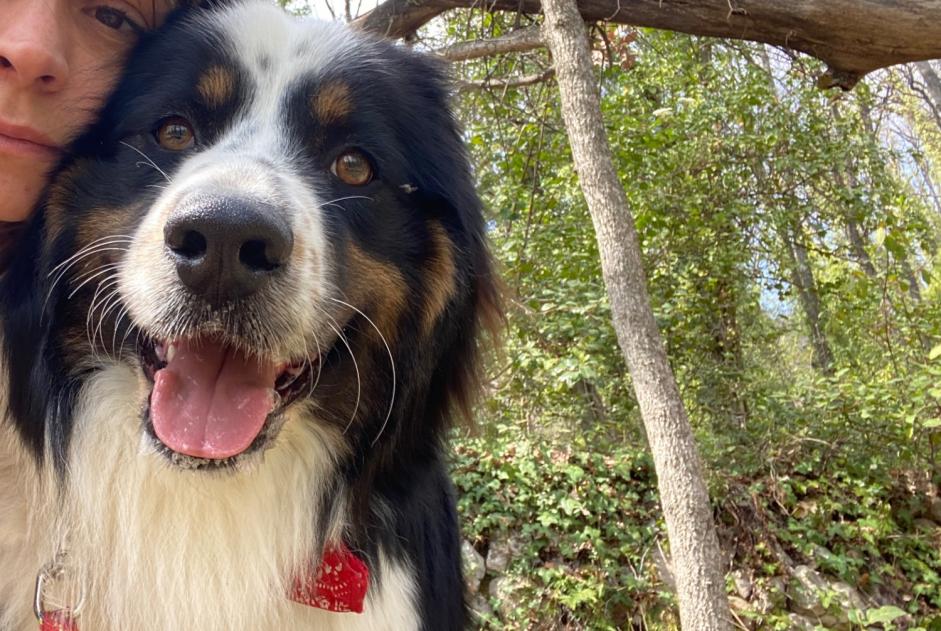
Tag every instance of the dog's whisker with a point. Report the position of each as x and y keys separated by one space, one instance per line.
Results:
x=130 y=328
x=147 y=158
x=391 y=364
x=90 y=276
x=122 y=312
x=100 y=331
x=333 y=324
x=89 y=316
x=343 y=199
x=98 y=299
x=72 y=261
x=313 y=385
x=117 y=238
x=106 y=304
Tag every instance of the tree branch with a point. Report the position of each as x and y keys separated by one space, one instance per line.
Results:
x=517 y=82
x=852 y=37
x=515 y=42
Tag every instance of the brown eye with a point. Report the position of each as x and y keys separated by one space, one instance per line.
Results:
x=115 y=19
x=175 y=134
x=353 y=168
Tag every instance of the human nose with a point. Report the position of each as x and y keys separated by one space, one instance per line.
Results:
x=33 y=46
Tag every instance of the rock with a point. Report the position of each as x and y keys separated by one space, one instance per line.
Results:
x=800 y=623
x=849 y=598
x=474 y=566
x=762 y=602
x=770 y=595
x=501 y=554
x=739 y=604
x=505 y=591
x=480 y=607
x=830 y=621
x=805 y=590
x=820 y=554
x=809 y=590
x=743 y=584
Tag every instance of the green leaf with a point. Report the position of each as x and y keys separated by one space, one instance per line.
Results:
x=935 y=352
x=884 y=614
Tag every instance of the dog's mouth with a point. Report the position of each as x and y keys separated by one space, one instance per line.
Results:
x=212 y=403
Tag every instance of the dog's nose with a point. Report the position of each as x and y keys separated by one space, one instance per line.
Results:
x=226 y=248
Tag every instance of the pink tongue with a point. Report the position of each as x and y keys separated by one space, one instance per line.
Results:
x=211 y=401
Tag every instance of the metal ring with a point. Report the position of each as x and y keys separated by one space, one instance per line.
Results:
x=52 y=571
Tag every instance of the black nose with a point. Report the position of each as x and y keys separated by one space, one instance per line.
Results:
x=226 y=248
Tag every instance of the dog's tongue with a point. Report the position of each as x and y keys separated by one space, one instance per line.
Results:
x=211 y=401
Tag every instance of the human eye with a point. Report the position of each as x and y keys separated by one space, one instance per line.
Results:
x=115 y=18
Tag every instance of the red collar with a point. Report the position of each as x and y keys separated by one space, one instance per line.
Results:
x=339 y=584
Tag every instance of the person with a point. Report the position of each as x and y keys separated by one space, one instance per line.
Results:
x=58 y=60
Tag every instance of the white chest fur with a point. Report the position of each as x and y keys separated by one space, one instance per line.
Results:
x=162 y=549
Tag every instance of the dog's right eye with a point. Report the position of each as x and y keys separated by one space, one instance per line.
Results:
x=175 y=134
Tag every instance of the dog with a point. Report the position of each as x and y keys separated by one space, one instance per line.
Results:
x=236 y=332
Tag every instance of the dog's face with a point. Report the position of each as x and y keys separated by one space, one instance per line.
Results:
x=271 y=215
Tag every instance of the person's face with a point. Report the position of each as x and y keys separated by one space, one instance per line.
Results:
x=58 y=58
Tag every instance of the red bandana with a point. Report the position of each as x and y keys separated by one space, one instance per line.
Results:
x=339 y=584
x=59 y=620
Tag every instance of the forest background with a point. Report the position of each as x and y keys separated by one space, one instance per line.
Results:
x=791 y=239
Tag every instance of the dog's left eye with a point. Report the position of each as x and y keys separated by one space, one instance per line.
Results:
x=175 y=133
x=353 y=168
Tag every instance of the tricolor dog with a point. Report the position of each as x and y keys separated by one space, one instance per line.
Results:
x=234 y=336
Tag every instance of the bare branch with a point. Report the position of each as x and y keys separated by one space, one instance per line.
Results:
x=517 y=82
x=517 y=41
x=399 y=18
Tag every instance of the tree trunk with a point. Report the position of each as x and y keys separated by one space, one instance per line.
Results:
x=854 y=233
x=931 y=81
x=727 y=349
x=802 y=276
x=693 y=542
x=858 y=246
x=914 y=287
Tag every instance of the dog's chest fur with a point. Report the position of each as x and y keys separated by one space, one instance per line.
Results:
x=158 y=555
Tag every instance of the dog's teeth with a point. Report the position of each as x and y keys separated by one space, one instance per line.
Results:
x=171 y=353
x=161 y=352
x=275 y=400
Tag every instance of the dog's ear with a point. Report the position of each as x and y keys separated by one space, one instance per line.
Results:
x=445 y=187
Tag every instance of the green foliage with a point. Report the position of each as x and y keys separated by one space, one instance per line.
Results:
x=583 y=525
x=754 y=194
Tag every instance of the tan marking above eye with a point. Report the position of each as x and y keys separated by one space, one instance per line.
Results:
x=332 y=103
x=175 y=133
x=353 y=168
x=216 y=86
